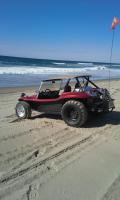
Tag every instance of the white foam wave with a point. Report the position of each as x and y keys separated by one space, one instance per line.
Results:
x=86 y=64
x=101 y=67
x=47 y=70
x=58 y=63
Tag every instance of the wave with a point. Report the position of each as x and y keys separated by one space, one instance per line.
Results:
x=118 y=65
x=58 y=63
x=85 y=64
x=101 y=67
x=47 y=70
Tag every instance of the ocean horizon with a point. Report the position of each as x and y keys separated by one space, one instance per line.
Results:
x=18 y=71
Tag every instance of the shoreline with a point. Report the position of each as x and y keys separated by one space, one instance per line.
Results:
x=32 y=88
x=7 y=90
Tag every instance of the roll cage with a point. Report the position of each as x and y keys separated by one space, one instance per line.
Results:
x=51 y=88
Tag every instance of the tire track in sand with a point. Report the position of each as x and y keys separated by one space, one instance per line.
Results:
x=14 y=181
x=21 y=172
x=47 y=143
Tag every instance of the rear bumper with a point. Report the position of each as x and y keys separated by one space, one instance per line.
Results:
x=98 y=105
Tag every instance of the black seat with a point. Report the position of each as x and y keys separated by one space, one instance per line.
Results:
x=48 y=94
x=77 y=85
x=67 y=88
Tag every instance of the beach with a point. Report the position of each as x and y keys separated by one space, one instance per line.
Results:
x=34 y=152
x=27 y=72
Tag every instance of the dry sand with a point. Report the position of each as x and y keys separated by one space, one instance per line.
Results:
x=34 y=151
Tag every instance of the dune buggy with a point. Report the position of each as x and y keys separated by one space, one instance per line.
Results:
x=71 y=97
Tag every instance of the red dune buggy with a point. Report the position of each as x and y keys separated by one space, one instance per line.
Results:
x=71 y=97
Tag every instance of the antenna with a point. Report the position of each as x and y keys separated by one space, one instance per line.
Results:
x=114 y=23
x=111 y=52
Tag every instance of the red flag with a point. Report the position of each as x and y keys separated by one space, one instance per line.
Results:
x=114 y=22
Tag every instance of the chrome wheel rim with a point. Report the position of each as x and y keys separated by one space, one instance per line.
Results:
x=21 y=111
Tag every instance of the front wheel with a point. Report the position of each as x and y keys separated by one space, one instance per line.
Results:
x=23 y=110
x=74 y=113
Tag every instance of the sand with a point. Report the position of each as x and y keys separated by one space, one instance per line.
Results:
x=34 y=152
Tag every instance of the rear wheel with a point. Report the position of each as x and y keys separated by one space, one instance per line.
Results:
x=23 y=110
x=74 y=113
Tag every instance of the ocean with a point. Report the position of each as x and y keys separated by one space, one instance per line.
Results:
x=16 y=72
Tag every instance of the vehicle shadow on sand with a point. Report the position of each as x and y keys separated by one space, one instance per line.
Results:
x=101 y=119
x=94 y=120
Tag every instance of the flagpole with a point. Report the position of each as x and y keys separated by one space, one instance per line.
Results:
x=111 y=52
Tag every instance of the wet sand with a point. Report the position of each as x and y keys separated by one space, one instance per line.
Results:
x=36 y=150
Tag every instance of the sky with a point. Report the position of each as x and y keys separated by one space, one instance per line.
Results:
x=59 y=29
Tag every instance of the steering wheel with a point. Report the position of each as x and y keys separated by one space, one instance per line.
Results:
x=47 y=90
